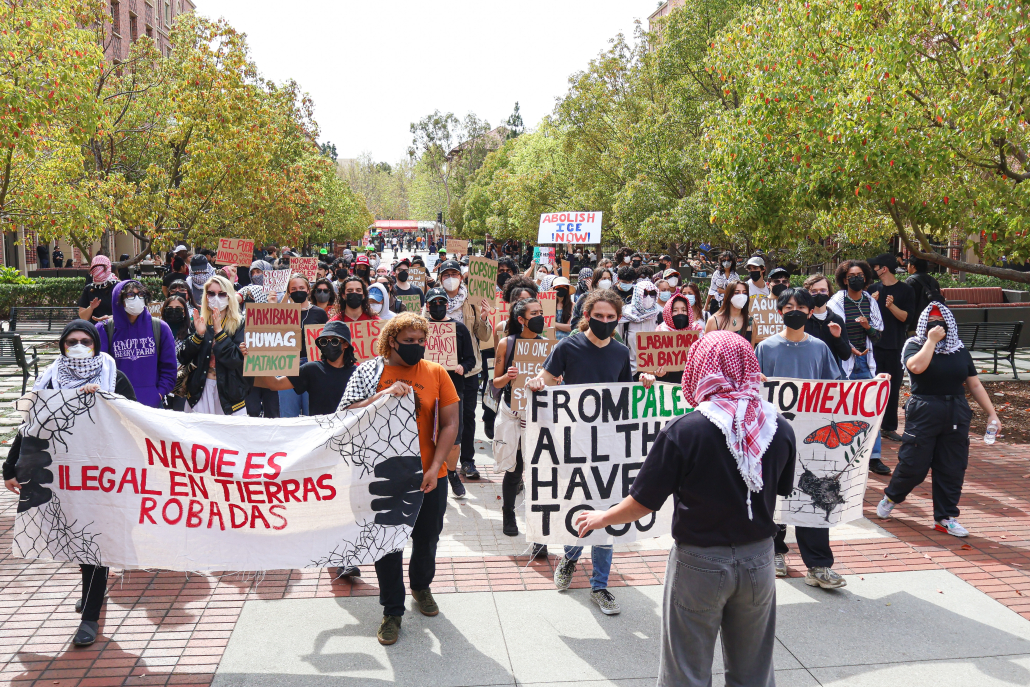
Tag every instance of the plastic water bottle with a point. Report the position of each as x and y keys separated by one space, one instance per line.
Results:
x=992 y=432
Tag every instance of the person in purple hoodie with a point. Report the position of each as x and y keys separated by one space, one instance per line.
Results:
x=143 y=347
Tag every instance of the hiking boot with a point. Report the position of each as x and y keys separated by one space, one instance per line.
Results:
x=86 y=634
x=389 y=629
x=607 y=602
x=879 y=467
x=951 y=526
x=470 y=471
x=884 y=508
x=539 y=551
x=890 y=435
x=425 y=602
x=510 y=527
x=457 y=488
x=825 y=578
x=563 y=573
x=780 y=563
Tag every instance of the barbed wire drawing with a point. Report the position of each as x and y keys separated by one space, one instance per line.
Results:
x=44 y=532
x=50 y=415
x=372 y=542
x=368 y=438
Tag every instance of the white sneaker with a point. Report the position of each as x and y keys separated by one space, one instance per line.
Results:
x=884 y=508
x=951 y=526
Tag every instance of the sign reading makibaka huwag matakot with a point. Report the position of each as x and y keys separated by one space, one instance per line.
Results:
x=569 y=227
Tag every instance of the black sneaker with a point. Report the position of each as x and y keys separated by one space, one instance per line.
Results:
x=539 y=551
x=510 y=526
x=470 y=471
x=457 y=488
x=344 y=572
x=890 y=435
x=86 y=634
x=879 y=467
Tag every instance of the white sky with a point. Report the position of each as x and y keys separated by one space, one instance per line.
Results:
x=372 y=68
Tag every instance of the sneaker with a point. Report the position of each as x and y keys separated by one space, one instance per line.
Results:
x=890 y=435
x=425 y=602
x=879 y=467
x=457 y=488
x=389 y=629
x=86 y=634
x=470 y=471
x=510 y=526
x=347 y=571
x=780 y=563
x=607 y=602
x=825 y=578
x=563 y=573
x=951 y=526
x=539 y=551
x=884 y=508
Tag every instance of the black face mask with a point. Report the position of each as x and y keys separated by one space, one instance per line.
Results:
x=778 y=289
x=602 y=330
x=411 y=354
x=821 y=299
x=535 y=324
x=331 y=352
x=562 y=293
x=755 y=276
x=856 y=283
x=438 y=311
x=321 y=296
x=354 y=300
x=362 y=273
x=402 y=275
x=341 y=275
x=795 y=319
x=502 y=279
x=680 y=321
x=174 y=315
x=299 y=296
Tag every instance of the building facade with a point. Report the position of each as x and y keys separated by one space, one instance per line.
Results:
x=131 y=19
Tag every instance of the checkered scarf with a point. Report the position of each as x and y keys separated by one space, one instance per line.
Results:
x=722 y=381
x=950 y=343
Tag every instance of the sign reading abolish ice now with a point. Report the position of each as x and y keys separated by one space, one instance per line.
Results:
x=569 y=227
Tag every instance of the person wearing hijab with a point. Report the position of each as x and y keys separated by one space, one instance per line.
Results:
x=255 y=291
x=724 y=466
x=81 y=366
x=677 y=316
x=937 y=418
x=217 y=348
x=641 y=315
x=95 y=301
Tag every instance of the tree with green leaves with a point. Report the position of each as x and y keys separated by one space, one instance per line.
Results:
x=514 y=124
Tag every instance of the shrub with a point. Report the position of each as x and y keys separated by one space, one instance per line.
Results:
x=53 y=292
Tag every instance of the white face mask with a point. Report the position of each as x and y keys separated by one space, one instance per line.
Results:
x=79 y=351
x=375 y=307
x=664 y=295
x=541 y=274
x=727 y=264
x=647 y=302
x=134 y=305
x=218 y=303
x=691 y=298
x=673 y=281
x=604 y=284
x=451 y=283
x=626 y=259
x=739 y=300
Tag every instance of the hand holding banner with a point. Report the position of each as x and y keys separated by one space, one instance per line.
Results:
x=529 y=358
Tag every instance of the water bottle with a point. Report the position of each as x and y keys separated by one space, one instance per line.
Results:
x=992 y=432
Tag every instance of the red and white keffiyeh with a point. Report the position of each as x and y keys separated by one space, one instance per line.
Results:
x=722 y=381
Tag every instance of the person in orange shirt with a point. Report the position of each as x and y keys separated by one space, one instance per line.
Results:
x=397 y=371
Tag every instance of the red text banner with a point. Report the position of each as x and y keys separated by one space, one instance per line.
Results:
x=665 y=351
x=234 y=252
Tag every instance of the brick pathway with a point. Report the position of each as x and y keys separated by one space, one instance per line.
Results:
x=172 y=628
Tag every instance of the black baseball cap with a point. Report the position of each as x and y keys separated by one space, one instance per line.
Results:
x=448 y=265
x=434 y=293
x=778 y=272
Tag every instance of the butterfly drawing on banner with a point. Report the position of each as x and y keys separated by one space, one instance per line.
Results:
x=837 y=434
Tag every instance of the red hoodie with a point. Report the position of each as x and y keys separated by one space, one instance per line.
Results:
x=667 y=325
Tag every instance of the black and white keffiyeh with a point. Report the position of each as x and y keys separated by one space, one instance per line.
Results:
x=950 y=343
x=455 y=303
x=72 y=373
x=363 y=382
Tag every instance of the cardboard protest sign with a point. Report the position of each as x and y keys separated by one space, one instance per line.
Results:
x=457 y=247
x=583 y=446
x=306 y=266
x=234 y=252
x=482 y=279
x=276 y=281
x=442 y=344
x=835 y=425
x=417 y=277
x=312 y=332
x=569 y=227
x=529 y=358
x=431 y=261
x=566 y=269
x=549 y=302
x=412 y=303
x=766 y=321
x=273 y=332
x=365 y=338
x=199 y=492
x=155 y=308
x=500 y=314
x=667 y=350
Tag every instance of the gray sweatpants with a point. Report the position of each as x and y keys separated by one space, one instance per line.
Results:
x=732 y=588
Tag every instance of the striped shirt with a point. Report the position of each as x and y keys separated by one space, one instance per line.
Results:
x=852 y=310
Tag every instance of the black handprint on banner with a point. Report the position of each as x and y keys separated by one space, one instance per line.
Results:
x=32 y=473
x=398 y=481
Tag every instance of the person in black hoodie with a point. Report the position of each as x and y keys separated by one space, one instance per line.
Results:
x=823 y=323
x=81 y=366
x=436 y=309
x=217 y=348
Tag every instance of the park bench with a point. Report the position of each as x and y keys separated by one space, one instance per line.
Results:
x=13 y=353
x=994 y=338
x=35 y=319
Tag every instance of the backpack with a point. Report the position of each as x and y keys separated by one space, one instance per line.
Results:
x=931 y=291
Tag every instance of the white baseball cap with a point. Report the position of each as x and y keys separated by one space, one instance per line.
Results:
x=756 y=261
x=179 y=248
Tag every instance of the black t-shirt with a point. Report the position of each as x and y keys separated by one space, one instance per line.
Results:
x=894 y=330
x=101 y=291
x=944 y=375
x=312 y=315
x=167 y=280
x=690 y=461
x=581 y=362
x=413 y=291
x=324 y=384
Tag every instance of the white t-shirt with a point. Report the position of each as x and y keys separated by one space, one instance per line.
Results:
x=753 y=290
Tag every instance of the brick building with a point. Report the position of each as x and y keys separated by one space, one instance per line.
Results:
x=131 y=19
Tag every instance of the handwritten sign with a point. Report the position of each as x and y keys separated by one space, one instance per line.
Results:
x=306 y=266
x=668 y=350
x=365 y=338
x=482 y=279
x=543 y=256
x=412 y=303
x=457 y=246
x=569 y=227
x=417 y=277
x=276 y=281
x=273 y=332
x=311 y=333
x=766 y=321
x=529 y=358
x=549 y=302
x=234 y=252
x=442 y=344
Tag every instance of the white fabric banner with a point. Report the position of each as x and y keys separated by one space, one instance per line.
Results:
x=111 y=482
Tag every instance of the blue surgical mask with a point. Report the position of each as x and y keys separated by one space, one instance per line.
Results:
x=691 y=298
x=624 y=286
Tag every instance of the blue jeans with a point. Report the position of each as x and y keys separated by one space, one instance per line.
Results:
x=292 y=404
x=861 y=371
x=601 y=557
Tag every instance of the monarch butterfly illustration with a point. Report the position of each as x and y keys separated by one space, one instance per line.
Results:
x=837 y=434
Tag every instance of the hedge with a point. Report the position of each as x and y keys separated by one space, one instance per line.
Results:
x=50 y=291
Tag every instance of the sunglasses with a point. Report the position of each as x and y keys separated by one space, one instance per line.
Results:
x=72 y=342
x=322 y=291
x=324 y=341
x=213 y=294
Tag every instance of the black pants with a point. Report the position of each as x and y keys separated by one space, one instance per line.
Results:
x=470 y=399
x=936 y=438
x=510 y=483
x=94 y=587
x=889 y=361
x=259 y=399
x=813 y=545
x=422 y=567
